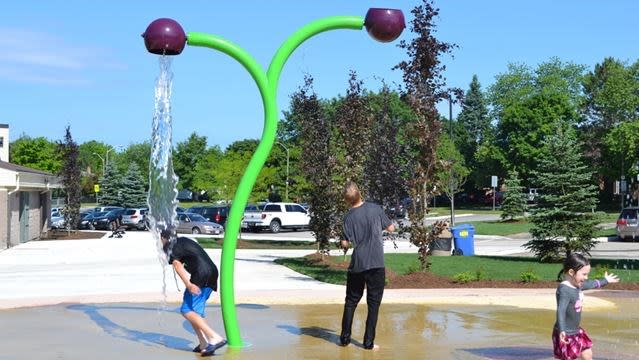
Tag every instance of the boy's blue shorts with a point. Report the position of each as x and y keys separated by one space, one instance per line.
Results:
x=195 y=303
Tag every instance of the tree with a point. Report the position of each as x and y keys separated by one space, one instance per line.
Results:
x=133 y=193
x=527 y=105
x=450 y=182
x=474 y=123
x=204 y=175
x=352 y=124
x=563 y=220
x=36 y=153
x=71 y=179
x=110 y=187
x=186 y=156
x=386 y=164
x=424 y=88
x=316 y=164
x=612 y=102
x=515 y=201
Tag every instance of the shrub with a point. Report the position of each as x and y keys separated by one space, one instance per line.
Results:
x=529 y=276
x=464 y=277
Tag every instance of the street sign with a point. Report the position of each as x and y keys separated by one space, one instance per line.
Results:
x=493 y=181
x=96 y=188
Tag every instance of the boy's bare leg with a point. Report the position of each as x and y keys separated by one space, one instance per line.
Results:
x=200 y=325
x=586 y=354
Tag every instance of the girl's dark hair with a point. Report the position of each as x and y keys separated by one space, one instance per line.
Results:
x=574 y=261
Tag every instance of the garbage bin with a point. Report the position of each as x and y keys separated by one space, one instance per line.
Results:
x=443 y=245
x=464 y=239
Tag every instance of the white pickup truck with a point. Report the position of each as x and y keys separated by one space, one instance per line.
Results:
x=277 y=216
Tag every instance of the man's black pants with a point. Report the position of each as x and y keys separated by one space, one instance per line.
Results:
x=374 y=280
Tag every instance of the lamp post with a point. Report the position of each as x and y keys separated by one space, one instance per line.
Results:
x=109 y=150
x=452 y=181
x=103 y=163
x=167 y=37
x=287 y=168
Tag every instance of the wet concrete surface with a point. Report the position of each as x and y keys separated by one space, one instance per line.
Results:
x=150 y=331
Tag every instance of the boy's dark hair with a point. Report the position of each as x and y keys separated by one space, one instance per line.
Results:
x=168 y=233
x=574 y=261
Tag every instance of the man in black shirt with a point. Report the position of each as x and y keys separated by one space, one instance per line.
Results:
x=363 y=226
x=199 y=274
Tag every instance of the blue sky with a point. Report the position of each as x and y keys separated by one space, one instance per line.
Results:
x=83 y=63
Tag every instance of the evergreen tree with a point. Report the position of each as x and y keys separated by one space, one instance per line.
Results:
x=110 y=188
x=133 y=193
x=563 y=221
x=473 y=122
x=71 y=178
x=515 y=202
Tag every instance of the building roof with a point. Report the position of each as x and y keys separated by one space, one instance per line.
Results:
x=18 y=168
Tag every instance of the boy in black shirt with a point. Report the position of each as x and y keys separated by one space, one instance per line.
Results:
x=199 y=274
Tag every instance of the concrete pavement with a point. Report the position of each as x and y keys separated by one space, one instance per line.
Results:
x=129 y=270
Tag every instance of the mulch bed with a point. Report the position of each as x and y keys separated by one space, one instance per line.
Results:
x=428 y=280
x=73 y=235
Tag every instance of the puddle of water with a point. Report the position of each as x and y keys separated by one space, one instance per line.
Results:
x=130 y=331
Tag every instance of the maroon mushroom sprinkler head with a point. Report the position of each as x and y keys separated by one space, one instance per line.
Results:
x=164 y=37
x=384 y=25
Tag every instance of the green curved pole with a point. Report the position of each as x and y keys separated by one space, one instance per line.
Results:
x=267 y=85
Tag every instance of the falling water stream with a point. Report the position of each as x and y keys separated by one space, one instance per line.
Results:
x=162 y=180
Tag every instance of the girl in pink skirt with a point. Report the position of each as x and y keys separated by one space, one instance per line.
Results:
x=570 y=341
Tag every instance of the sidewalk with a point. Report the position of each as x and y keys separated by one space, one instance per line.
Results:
x=129 y=270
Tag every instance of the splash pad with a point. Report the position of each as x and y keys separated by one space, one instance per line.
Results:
x=167 y=37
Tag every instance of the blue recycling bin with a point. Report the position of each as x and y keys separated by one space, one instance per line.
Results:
x=464 y=239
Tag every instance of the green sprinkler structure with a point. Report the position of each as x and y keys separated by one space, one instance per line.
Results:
x=166 y=37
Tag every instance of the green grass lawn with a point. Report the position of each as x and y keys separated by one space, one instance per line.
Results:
x=500 y=227
x=492 y=268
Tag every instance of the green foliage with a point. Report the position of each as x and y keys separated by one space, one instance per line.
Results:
x=529 y=276
x=186 y=156
x=110 y=187
x=514 y=202
x=563 y=221
x=465 y=277
x=138 y=153
x=474 y=126
x=36 y=153
x=92 y=156
x=453 y=174
x=71 y=179
x=528 y=103
x=132 y=191
x=600 y=271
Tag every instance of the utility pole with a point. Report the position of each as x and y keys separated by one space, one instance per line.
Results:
x=287 y=167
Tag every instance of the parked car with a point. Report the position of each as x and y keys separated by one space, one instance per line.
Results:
x=213 y=213
x=196 y=224
x=247 y=209
x=106 y=220
x=57 y=222
x=134 y=218
x=106 y=208
x=627 y=224
x=276 y=216
x=86 y=221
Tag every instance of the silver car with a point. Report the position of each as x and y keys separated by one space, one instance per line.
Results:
x=197 y=224
x=627 y=224
x=134 y=218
